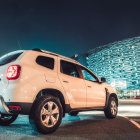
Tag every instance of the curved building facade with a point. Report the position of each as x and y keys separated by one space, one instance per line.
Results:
x=119 y=62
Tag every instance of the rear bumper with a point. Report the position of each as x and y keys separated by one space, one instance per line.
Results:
x=3 y=107
x=25 y=108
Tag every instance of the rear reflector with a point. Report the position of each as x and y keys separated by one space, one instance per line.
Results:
x=13 y=72
x=12 y=107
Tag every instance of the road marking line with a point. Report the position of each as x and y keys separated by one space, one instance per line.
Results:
x=136 y=120
x=133 y=122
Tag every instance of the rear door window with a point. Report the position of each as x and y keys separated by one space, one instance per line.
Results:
x=69 y=69
x=45 y=62
x=9 y=58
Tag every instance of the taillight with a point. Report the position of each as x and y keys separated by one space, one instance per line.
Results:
x=13 y=72
x=13 y=107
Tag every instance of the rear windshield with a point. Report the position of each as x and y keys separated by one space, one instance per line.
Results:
x=9 y=58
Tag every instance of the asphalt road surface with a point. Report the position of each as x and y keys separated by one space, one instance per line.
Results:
x=87 y=125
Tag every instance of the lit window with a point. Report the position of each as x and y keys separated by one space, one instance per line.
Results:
x=133 y=47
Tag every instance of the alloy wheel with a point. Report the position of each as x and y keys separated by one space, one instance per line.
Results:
x=49 y=114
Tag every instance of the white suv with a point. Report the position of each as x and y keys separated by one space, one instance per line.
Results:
x=45 y=86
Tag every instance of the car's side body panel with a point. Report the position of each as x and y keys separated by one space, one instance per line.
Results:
x=74 y=88
x=39 y=77
x=96 y=95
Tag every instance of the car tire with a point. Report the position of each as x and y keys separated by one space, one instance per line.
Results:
x=47 y=114
x=73 y=113
x=112 y=108
x=7 y=119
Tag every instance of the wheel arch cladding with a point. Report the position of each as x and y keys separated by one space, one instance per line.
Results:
x=52 y=92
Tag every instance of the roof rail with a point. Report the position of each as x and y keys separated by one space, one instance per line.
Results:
x=51 y=53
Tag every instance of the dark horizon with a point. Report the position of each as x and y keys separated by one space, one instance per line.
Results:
x=66 y=27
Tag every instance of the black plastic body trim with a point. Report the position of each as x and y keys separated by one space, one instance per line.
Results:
x=69 y=109
x=25 y=107
x=107 y=98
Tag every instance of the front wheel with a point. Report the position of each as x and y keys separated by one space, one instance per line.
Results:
x=48 y=114
x=112 y=109
x=7 y=119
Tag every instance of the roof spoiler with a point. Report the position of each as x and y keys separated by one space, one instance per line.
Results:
x=36 y=49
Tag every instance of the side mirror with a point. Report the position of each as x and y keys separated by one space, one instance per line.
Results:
x=103 y=80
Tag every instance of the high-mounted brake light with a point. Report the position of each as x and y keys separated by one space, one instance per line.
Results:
x=13 y=72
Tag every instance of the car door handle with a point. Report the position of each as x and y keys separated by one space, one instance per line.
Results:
x=89 y=86
x=66 y=81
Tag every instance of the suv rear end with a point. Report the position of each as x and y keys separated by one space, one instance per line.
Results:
x=18 y=72
x=9 y=72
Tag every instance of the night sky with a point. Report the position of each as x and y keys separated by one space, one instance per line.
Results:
x=66 y=27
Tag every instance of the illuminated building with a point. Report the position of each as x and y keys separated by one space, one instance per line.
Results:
x=119 y=62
